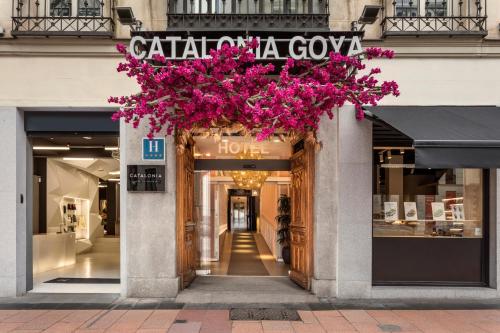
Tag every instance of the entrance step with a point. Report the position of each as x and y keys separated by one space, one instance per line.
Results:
x=107 y=245
x=244 y=289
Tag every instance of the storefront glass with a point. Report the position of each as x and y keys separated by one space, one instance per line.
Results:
x=429 y=225
x=412 y=202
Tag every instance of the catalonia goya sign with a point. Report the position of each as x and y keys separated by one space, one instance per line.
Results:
x=146 y=178
x=278 y=46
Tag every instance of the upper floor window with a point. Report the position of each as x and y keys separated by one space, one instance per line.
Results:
x=62 y=17
x=406 y=8
x=448 y=17
x=243 y=14
x=84 y=7
x=60 y=8
x=436 y=8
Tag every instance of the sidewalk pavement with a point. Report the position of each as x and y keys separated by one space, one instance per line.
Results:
x=218 y=321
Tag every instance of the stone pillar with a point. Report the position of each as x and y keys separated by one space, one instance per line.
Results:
x=354 y=213
x=325 y=210
x=148 y=246
x=13 y=201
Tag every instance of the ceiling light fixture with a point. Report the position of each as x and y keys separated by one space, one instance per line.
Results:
x=78 y=158
x=103 y=186
x=115 y=172
x=111 y=148
x=87 y=137
x=50 y=148
x=113 y=179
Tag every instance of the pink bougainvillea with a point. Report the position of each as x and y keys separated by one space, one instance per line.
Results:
x=230 y=87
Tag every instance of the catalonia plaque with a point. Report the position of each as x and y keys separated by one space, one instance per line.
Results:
x=146 y=178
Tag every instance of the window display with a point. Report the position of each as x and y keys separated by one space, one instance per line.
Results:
x=411 y=202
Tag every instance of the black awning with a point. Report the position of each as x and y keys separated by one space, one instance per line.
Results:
x=447 y=136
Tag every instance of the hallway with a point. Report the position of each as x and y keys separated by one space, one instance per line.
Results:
x=245 y=256
x=244 y=253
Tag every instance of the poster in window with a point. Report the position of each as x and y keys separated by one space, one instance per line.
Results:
x=438 y=213
x=391 y=211
x=411 y=211
x=458 y=212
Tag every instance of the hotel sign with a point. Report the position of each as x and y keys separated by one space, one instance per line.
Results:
x=153 y=149
x=270 y=47
x=146 y=178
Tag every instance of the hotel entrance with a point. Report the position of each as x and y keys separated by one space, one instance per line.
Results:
x=247 y=208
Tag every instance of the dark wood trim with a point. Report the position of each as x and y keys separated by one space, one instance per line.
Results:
x=238 y=164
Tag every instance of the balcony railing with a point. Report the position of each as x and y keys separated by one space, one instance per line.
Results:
x=62 y=18
x=248 y=14
x=434 y=17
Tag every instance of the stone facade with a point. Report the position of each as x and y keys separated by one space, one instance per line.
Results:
x=67 y=73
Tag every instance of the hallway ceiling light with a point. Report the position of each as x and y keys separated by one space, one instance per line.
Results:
x=78 y=159
x=87 y=137
x=113 y=179
x=252 y=180
x=50 y=148
x=111 y=148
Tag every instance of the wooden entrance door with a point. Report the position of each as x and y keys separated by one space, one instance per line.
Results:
x=186 y=225
x=301 y=226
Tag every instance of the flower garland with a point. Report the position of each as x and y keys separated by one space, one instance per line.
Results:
x=229 y=88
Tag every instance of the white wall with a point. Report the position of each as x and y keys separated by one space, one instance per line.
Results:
x=13 y=241
x=65 y=180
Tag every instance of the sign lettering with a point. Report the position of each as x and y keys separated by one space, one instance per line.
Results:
x=315 y=47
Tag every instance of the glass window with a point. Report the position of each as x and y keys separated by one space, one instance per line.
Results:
x=89 y=8
x=435 y=8
x=406 y=8
x=60 y=7
x=409 y=202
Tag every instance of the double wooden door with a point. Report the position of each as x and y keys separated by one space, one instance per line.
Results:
x=301 y=226
x=187 y=258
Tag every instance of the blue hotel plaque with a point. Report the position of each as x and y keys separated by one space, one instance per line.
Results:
x=153 y=150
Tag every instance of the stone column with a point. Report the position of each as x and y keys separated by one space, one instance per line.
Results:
x=354 y=213
x=13 y=201
x=325 y=210
x=148 y=246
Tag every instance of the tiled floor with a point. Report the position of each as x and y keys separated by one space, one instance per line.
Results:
x=217 y=321
x=93 y=264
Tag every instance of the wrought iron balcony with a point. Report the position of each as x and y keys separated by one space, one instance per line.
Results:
x=62 y=18
x=248 y=14
x=434 y=17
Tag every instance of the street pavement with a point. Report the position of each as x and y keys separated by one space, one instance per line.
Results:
x=188 y=320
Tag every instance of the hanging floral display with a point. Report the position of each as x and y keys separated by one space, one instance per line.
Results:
x=230 y=90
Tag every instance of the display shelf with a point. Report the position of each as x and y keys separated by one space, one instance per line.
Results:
x=75 y=216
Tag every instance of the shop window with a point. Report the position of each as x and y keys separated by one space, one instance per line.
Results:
x=411 y=202
x=429 y=225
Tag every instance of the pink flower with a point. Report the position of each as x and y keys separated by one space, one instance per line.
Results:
x=229 y=87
